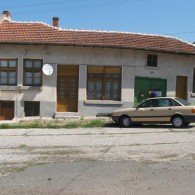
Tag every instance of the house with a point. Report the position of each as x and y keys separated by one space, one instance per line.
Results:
x=86 y=72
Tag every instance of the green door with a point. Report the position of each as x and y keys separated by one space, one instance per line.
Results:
x=144 y=86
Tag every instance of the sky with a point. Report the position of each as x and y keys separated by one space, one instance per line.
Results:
x=165 y=17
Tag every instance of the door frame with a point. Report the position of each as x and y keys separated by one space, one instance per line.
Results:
x=68 y=72
x=177 y=85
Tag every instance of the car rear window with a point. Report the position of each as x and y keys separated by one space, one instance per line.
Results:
x=185 y=103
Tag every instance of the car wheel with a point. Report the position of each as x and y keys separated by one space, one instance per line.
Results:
x=125 y=121
x=178 y=121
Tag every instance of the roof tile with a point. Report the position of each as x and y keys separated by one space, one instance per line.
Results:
x=39 y=33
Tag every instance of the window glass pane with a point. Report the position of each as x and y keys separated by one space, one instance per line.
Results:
x=174 y=103
x=99 y=89
x=152 y=60
x=12 y=64
x=37 y=74
x=116 y=90
x=28 y=81
x=28 y=64
x=28 y=74
x=108 y=75
x=12 y=81
x=146 y=104
x=149 y=60
x=112 y=75
x=108 y=90
x=37 y=81
x=3 y=73
x=3 y=81
x=12 y=74
x=37 y=64
x=91 y=90
x=164 y=103
x=95 y=75
x=4 y=63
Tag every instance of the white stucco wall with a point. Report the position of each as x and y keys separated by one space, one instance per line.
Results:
x=132 y=63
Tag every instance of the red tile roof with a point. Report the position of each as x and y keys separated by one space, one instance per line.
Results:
x=39 y=33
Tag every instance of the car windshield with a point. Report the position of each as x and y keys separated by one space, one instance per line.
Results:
x=185 y=103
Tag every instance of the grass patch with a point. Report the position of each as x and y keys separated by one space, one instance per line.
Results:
x=23 y=146
x=94 y=123
x=55 y=124
x=168 y=156
x=149 y=162
x=4 y=126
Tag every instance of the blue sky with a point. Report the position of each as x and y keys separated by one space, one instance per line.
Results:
x=167 y=17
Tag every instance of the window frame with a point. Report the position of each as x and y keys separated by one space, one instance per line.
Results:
x=8 y=69
x=103 y=82
x=153 y=62
x=32 y=70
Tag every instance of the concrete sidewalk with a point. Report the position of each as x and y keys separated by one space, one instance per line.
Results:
x=143 y=160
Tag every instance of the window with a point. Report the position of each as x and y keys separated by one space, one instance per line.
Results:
x=8 y=71
x=31 y=108
x=152 y=60
x=165 y=103
x=149 y=103
x=33 y=72
x=104 y=83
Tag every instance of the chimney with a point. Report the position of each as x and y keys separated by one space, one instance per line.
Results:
x=6 y=15
x=55 y=21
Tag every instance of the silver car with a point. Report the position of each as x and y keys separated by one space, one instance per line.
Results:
x=157 y=110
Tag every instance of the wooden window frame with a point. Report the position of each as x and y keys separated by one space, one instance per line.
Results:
x=9 y=69
x=153 y=62
x=33 y=70
x=103 y=80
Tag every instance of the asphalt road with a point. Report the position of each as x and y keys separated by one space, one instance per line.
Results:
x=143 y=160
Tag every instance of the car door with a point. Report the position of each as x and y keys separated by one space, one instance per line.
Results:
x=145 y=112
x=164 y=111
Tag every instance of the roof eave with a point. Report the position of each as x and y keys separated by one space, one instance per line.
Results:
x=100 y=46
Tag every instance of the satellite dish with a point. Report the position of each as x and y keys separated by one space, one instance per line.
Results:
x=47 y=69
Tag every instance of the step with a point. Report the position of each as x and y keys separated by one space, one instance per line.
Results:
x=67 y=116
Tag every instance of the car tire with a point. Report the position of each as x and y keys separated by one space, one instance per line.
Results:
x=178 y=121
x=125 y=121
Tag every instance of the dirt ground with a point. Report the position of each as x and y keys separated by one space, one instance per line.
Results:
x=160 y=158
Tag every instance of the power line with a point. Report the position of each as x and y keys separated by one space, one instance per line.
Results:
x=181 y=33
x=39 y=4
x=80 y=7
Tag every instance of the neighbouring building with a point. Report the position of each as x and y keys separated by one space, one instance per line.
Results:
x=87 y=72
